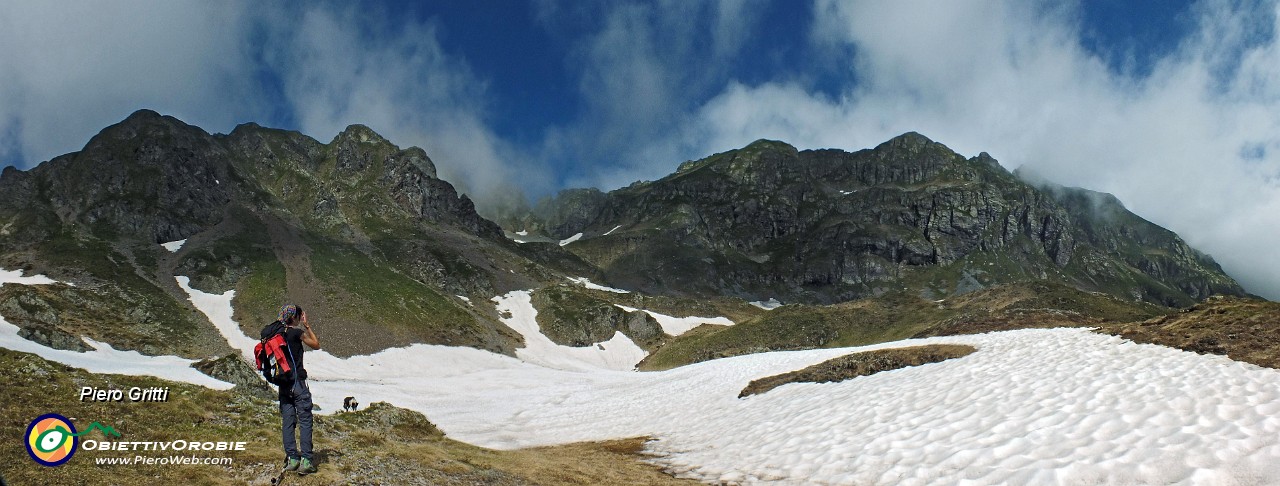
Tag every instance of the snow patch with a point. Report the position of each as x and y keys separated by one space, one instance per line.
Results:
x=619 y=353
x=15 y=276
x=103 y=358
x=583 y=281
x=218 y=309
x=571 y=239
x=676 y=326
x=522 y=233
x=174 y=246
x=770 y=304
x=106 y=359
x=427 y=377
x=1058 y=406
x=615 y=228
x=465 y=299
x=1034 y=406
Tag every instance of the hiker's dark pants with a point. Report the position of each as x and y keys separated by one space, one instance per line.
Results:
x=295 y=410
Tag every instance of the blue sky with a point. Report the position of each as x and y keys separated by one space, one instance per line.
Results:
x=1172 y=106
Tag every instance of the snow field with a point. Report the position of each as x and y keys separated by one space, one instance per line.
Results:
x=618 y=353
x=583 y=281
x=1062 y=406
x=1039 y=406
x=103 y=358
x=676 y=326
x=1036 y=406
x=212 y=306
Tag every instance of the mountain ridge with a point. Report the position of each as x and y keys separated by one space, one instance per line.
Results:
x=272 y=214
x=878 y=217
x=367 y=234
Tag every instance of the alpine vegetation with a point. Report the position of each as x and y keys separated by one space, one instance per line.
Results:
x=900 y=314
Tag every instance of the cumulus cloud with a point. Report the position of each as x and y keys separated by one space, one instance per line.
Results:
x=345 y=65
x=1193 y=143
x=68 y=69
x=642 y=68
x=1193 y=146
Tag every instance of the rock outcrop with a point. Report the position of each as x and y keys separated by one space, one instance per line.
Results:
x=254 y=205
x=819 y=226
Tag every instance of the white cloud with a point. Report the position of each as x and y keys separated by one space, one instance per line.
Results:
x=346 y=65
x=69 y=69
x=641 y=72
x=1194 y=146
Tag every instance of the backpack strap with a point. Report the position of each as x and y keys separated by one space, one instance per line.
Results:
x=293 y=362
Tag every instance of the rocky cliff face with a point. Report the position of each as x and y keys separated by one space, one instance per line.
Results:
x=150 y=177
x=363 y=229
x=358 y=176
x=827 y=225
x=570 y=211
x=365 y=234
x=153 y=177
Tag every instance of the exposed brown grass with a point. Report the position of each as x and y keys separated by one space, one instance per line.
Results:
x=381 y=444
x=860 y=364
x=901 y=315
x=1242 y=329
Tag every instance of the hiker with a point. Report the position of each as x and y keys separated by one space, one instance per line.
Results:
x=295 y=400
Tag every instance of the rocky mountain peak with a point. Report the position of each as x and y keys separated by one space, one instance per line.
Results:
x=762 y=145
x=247 y=126
x=987 y=160
x=418 y=158
x=153 y=177
x=910 y=141
x=359 y=147
x=358 y=133
x=828 y=225
x=142 y=115
x=144 y=125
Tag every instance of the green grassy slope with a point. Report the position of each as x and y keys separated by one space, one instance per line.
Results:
x=900 y=315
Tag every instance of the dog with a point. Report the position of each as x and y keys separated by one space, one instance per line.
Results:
x=350 y=404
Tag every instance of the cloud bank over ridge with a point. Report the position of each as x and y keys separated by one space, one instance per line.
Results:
x=1190 y=141
x=1193 y=146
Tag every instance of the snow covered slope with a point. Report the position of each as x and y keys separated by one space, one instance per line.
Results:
x=618 y=353
x=1041 y=406
x=103 y=358
x=676 y=326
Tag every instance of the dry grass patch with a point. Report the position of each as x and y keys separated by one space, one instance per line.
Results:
x=588 y=463
x=860 y=364
x=380 y=444
x=1243 y=329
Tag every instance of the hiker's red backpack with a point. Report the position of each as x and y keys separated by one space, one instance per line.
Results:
x=271 y=355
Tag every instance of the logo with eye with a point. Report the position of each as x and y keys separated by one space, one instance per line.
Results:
x=51 y=440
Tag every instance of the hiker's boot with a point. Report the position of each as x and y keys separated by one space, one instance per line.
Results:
x=291 y=464
x=306 y=467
